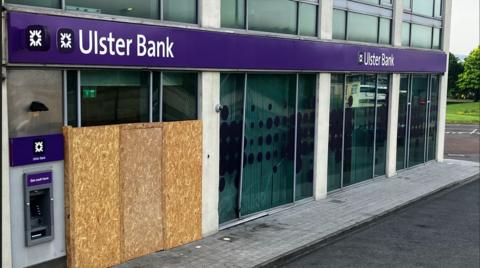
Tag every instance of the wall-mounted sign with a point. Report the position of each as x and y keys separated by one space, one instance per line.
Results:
x=78 y=41
x=36 y=149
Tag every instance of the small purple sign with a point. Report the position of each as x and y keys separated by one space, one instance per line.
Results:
x=35 y=179
x=36 y=149
x=60 y=40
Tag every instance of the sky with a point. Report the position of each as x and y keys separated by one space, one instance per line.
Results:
x=465 y=32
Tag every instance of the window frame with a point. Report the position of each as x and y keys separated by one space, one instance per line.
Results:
x=151 y=74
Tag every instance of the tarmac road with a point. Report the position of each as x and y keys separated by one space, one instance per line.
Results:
x=462 y=142
x=441 y=231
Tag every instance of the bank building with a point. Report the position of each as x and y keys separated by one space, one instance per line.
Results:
x=130 y=127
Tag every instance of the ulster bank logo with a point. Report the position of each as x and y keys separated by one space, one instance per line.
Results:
x=360 y=58
x=65 y=40
x=37 y=38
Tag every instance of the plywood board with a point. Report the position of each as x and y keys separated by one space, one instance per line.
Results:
x=182 y=182
x=93 y=184
x=140 y=176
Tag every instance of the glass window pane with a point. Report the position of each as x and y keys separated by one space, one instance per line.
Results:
x=305 y=135
x=359 y=128
x=114 y=97
x=179 y=96
x=384 y=34
x=335 y=134
x=180 y=10
x=263 y=15
x=339 y=21
x=432 y=122
x=423 y=7
x=72 y=88
x=436 y=38
x=438 y=8
x=233 y=13
x=362 y=28
x=232 y=87
x=382 y=123
x=156 y=84
x=402 y=123
x=421 y=36
x=130 y=8
x=37 y=3
x=406 y=4
x=418 y=121
x=307 y=22
x=371 y=1
x=406 y=34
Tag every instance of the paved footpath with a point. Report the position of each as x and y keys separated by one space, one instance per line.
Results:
x=264 y=240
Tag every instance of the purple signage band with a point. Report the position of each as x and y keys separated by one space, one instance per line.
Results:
x=36 y=149
x=35 y=179
x=59 y=40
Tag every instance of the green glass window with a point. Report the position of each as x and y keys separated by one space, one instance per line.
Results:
x=362 y=28
x=383 y=86
x=307 y=20
x=384 y=31
x=233 y=13
x=180 y=10
x=263 y=15
x=232 y=87
x=418 y=123
x=423 y=7
x=436 y=38
x=179 y=100
x=402 y=123
x=405 y=34
x=339 y=21
x=407 y=4
x=37 y=3
x=421 y=36
x=335 y=134
x=305 y=135
x=114 y=97
x=438 y=8
x=131 y=8
x=72 y=98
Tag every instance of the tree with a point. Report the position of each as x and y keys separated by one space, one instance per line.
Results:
x=455 y=68
x=469 y=80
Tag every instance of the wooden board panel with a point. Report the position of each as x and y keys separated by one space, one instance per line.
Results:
x=94 y=197
x=182 y=182
x=140 y=176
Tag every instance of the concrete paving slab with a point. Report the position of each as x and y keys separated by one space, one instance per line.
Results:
x=266 y=239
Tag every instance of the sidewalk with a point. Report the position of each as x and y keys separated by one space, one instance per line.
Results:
x=268 y=238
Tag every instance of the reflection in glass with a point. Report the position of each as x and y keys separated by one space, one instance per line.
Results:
x=381 y=124
x=180 y=10
x=114 y=97
x=233 y=14
x=421 y=36
x=339 y=21
x=405 y=34
x=269 y=142
x=359 y=128
x=384 y=31
x=402 y=122
x=231 y=122
x=307 y=20
x=418 y=119
x=432 y=122
x=305 y=135
x=362 y=28
x=423 y=7
x=179 y=96
x=263 y=15
x=72 y=98
x=335 y=134
x=131 y=8
x=38 y=3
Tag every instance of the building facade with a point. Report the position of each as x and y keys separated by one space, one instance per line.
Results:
x=296 y=98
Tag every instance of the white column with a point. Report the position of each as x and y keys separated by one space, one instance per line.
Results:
x=322 y=118
x=442 y=98
x=391 y=168
x=325 y=15
x=6 y=232
x=209 y=96
x=209 y=13
x=397 y=23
